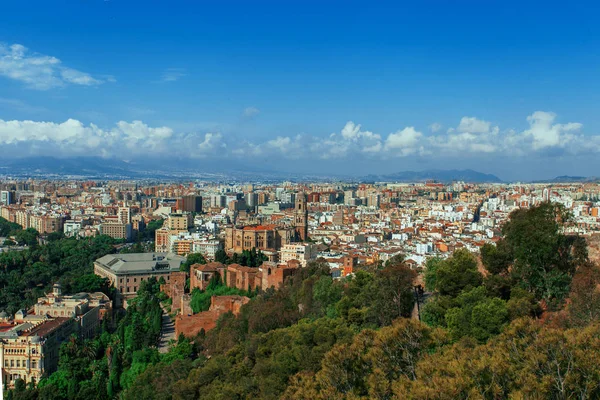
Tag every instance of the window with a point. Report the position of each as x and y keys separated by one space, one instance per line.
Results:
x=135 y=288
x=5 y=363
x=33 y=363
x=134 y=280
x=12 y=363
x=18 y=363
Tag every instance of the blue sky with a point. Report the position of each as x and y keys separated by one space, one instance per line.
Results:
x=505 y=87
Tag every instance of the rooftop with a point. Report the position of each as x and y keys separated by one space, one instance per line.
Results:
x=141 y=262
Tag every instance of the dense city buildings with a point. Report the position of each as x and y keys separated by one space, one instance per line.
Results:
x=371 y=222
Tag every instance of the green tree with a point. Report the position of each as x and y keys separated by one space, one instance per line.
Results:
x=476 y=315
x=544 y=257
x=193 y=258
x=457 y=273
x=430 y=275
x=393 y=296
x=497 y=259
x=221 y=256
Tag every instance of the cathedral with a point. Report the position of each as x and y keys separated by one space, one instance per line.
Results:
x=301 y=217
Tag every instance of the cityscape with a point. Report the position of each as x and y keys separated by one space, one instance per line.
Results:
x=299 y=200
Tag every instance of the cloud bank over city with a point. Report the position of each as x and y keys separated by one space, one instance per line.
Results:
x=472 y=136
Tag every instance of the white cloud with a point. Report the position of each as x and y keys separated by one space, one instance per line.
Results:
x=435 y=127
x=404 y=142
x=125 y=139
x=473 y=125
x=351 y=140
x=280 y=143
x=544 y=133
x=211 y=142
x=173 y=74
x=39 y=71
x=250 y=112
x=472 y=138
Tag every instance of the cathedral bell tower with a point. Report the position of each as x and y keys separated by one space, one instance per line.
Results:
x=301 y=217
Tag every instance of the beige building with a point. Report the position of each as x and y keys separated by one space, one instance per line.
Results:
x=126 y=272
x=208 y=248
x=88 y=309
x=178 y=222
x=173 y=225
x=262 y=237
x=46 y=223
x=303 y=252
x=29 y=346
x=115 y=229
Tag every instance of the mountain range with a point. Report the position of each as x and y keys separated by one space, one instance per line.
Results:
x=174 y=169
x=466 y=175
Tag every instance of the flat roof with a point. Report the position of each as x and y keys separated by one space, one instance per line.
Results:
x=131 y=263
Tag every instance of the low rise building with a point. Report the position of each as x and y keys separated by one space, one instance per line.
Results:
x=303 y=252
x=88 y=309
x=126 y=272
x=29 y=346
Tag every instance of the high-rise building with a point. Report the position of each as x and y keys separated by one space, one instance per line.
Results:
x=288 y=198
x=5 y=197
x=218 y=201
x=124 y=214
x=251 y=199
x=546 y=194
x=190 y=203
x=301 y=217
x=373 y=200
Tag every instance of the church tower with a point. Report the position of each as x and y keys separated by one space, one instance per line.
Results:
x=301 y=217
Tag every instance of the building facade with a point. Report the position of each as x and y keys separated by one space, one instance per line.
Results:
x=126 y=272
x=88 y=309
x=303 y=252
x=29 y=347
x=301 y=217
x=262 y=237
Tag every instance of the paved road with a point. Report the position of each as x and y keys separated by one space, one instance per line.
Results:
x=167 y=333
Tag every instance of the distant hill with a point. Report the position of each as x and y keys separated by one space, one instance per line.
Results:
x=466 y=175
x=82 y=166
x=145 y=168
x=567 y=178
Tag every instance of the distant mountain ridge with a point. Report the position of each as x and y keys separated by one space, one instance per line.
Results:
x=567 y=178
x=94 y=167
x=466 y=175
